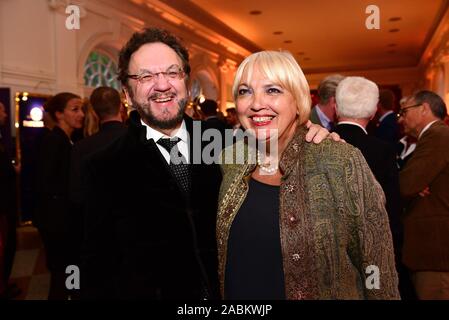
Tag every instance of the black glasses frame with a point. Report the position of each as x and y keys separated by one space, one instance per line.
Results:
x=149 y=77
x=404 y=110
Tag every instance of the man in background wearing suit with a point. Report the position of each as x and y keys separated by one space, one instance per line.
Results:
x=387 y=128
x=356 y=105
x=209 y=108
x=324 y=112
x=424 y=184
x=106 y=103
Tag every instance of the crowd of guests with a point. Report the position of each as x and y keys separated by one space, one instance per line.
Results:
x=403 y=146
x=303 y=223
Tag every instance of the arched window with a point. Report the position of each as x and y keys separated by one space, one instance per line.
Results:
x=100 y=70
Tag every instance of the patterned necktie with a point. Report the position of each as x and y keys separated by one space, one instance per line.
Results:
x=178 y=163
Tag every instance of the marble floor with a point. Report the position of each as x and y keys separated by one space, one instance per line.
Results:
x=29 y=272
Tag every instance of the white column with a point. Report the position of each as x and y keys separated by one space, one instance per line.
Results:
x=445 y=62
x=223 y=83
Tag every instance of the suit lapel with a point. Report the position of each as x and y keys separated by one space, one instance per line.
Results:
x=314 y=117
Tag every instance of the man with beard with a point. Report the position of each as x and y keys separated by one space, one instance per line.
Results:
x=150 y=220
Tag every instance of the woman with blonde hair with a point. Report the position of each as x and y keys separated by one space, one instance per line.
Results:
x=91 y=121
x=297 y=220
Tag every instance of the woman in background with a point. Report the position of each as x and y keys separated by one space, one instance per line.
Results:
x=52 y=182
x=91 y=122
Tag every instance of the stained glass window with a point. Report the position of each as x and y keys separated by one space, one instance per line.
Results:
x=100 y=70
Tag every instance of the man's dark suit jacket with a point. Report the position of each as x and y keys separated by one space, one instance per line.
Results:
x=381 y=159
x=145 y=238
x=388 y=130
x=109 y=132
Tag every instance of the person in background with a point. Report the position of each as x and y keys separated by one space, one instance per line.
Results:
x=91 y=121
x=213 y=121
x=232 y=118
x=387 y=128
x=324 y=112
x=106 y=105
x=210 y=110
x=124 y=113
x=52 y=187
x=407 y=144
x=357 y=100
x=424 y=188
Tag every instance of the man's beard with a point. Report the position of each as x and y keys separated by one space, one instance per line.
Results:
x=149 y=118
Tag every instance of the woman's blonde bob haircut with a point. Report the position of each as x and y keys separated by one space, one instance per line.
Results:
x=281 y=68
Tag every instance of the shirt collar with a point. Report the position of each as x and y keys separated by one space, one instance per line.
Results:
x=354 y=124
x=324 y=119
x=426 y=128
x=156 y=135
x=385 y=115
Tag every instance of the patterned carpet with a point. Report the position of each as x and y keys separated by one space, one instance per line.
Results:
x=29 y=271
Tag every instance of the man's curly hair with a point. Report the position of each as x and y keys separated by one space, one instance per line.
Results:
x=150 y=35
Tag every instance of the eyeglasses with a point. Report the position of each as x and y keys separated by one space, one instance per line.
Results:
x=149 y=77
x=404 y=110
